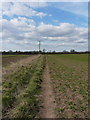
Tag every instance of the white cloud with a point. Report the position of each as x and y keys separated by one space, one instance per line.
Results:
x=64 y=30
x=24 y=32
x=20 y=9
x=56 y=21
x=36 y=4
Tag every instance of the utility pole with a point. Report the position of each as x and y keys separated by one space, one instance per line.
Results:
x=39 y=45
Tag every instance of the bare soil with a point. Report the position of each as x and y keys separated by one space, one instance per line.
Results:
x=74 y=73
x=14 y=66
x=48 y=98
x=7 y=60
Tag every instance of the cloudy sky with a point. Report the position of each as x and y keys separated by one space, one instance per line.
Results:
x=58 y=25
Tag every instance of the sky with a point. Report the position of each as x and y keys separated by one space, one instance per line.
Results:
x=58 y=25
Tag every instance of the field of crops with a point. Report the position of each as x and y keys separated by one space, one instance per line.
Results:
x=23 y=89
x=69 y=74
x=8 y=59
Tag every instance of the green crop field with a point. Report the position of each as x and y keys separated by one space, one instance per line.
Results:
x=69 y=74
x=21 y=97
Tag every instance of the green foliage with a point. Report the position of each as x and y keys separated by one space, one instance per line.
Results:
x=29 y=80
x=61 y=110
x=82 y=108
x=69 y=74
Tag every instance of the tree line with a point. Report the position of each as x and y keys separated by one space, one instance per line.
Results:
x=41 y=52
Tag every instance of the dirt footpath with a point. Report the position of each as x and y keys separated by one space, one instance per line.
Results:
x=48 y=99
x=16 y=66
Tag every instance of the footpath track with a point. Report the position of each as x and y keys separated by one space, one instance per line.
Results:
x=28 y=90
x=49 y=106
